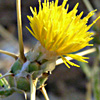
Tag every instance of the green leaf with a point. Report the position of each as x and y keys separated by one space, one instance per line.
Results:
x=33 y=66
x=11 y=81
x=48 y=66
x=4 y=83
x=1 y=81
x=16 y=67
x=23 y=84
x=7 y=92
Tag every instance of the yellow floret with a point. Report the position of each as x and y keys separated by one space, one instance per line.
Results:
x=61 y=31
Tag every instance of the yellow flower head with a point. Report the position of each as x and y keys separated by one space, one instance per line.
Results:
x=61 y=31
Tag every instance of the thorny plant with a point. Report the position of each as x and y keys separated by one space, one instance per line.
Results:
x=60 y=33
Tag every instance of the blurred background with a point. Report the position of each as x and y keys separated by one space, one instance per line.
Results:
x=64 y=83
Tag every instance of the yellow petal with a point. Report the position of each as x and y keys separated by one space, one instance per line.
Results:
x=77 y=57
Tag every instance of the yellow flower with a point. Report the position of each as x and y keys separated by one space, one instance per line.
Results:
x=61 y=31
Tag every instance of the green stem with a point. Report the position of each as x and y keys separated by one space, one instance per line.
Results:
x=89 y=90
x=43 y=90
x=96 y=79
x=19 y=21
x=33 y=88
x=10 y=54
x=96 y=60
x=88 y=5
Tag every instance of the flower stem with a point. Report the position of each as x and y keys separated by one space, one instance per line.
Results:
x=43 y=90
x=33 y=88
x=19 y=22
x=10 y=54
x=89 y=90
x=96 y=74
